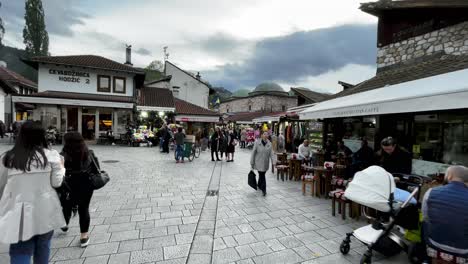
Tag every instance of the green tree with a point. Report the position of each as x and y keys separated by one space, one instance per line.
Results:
x=35 y=35
x=2 y=29
x=154 y=71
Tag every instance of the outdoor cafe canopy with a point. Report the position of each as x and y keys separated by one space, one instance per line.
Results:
x=440 y=92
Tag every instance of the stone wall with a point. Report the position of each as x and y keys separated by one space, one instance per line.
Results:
x=268 y=103
x=451 y=40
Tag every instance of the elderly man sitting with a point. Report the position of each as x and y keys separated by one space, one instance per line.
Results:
x=445 y=216
x=305 y=152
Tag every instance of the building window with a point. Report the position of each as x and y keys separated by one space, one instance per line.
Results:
x=227 y=110
x=250 y=108
x=104 y=83
x=119 y=85
x=175 y=91
x=21 y=90
x=283 y=108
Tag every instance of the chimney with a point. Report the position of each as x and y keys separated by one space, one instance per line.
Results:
x=198 y=76
x=128 y=55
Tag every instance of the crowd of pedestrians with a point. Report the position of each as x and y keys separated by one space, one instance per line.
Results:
x=40 y=190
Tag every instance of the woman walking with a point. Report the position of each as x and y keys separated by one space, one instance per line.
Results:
x=29 y=206
x=260 y=160
x=78 y=163
x=215 y=144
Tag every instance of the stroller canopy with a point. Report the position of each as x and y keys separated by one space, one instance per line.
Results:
x=372 y=188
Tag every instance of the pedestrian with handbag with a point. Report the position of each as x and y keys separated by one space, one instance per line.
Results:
x=215 y=144
x=81 y=165
x=262 y=153
x=29 y=205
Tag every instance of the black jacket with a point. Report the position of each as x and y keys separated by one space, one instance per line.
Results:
x=77 y=172
x=400 y=161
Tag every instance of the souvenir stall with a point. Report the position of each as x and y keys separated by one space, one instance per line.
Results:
x=142 y=136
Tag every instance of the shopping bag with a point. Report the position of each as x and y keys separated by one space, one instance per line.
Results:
x=252 y=180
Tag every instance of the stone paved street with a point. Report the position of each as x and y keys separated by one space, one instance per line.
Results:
x=157 y=211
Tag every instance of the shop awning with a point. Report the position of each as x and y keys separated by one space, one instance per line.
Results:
x=197 y=118
x=294 y=111
x=74 y=102
x=440 y=92
x=155 y=108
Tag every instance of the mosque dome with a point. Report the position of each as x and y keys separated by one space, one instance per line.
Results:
x=268 y=87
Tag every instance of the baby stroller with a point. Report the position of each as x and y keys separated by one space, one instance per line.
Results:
x=375 y=188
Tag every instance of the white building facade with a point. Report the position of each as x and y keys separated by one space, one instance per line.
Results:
x=89 y=94
x=186 y=86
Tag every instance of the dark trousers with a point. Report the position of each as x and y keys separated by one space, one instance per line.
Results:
x=261 y=181
x=83 y=200
x=37 y=247
x=166 y=146
x=214 y=150
x=242 y=144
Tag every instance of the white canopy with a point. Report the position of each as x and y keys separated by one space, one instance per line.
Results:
x=440 y=92
x=266 y=119
x=372 y=188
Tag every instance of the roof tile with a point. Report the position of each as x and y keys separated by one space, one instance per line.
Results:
x=156 y=97
x=84 y=96
x=91 y=61
x=186 y=108
x=12 y=78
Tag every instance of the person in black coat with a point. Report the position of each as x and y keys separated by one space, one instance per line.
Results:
x=166 y=136
x=393 y=158
x=215 y=144
x=363 y=158
x=78 y=164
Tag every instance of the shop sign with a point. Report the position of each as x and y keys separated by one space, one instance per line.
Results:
x=357 y=111
x=71 y=76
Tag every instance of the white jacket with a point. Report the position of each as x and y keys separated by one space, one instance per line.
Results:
x=305 y=152
x=29 y=205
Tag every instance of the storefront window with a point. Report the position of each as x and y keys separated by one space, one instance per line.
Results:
x=105 y=120
x=123 y=118
x=48 y=115
x=441 y=139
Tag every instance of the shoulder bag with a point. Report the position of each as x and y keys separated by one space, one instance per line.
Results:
x=97 y=177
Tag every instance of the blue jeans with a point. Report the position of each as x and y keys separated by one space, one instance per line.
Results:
x=180 y=152
x=38 y=247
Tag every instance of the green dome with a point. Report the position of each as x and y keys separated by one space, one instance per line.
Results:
x=268 y=87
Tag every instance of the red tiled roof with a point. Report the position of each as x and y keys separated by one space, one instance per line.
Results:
x=12 y=77
x=84 y=96
x=157 y=97
x=90 y=61
x=186 y=108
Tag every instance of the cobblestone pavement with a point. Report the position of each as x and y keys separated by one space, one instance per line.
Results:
x=157 y=211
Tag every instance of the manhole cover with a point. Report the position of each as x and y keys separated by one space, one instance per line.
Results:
x=110 y=161
x=212 y=192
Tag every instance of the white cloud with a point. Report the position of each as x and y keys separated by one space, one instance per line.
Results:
x=179 y=24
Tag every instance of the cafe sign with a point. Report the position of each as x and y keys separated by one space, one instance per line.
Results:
x=71 y=76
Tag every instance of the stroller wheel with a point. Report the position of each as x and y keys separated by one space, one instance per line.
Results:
x=344 y=248
x=366 y=259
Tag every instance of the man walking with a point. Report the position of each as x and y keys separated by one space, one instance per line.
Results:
x=179 y=140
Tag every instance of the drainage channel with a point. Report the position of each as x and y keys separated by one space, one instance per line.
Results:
x=201 y=250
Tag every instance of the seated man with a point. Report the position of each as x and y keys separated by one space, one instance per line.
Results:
x=445 y=218
x=305 y=152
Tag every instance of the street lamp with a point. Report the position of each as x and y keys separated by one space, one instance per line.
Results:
x=144 y=114
x=161 y=114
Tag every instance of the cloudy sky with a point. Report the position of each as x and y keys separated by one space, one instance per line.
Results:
x=235 y=44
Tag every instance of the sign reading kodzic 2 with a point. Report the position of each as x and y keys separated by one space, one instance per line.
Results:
x=71 y=76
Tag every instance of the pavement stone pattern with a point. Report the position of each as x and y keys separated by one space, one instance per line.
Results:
x=156 y=211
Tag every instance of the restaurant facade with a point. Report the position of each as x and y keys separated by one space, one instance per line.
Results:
x=85 y=93
x=420 y=92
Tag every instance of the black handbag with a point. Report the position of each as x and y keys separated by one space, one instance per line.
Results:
x=97 y=177
x=252 y=180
